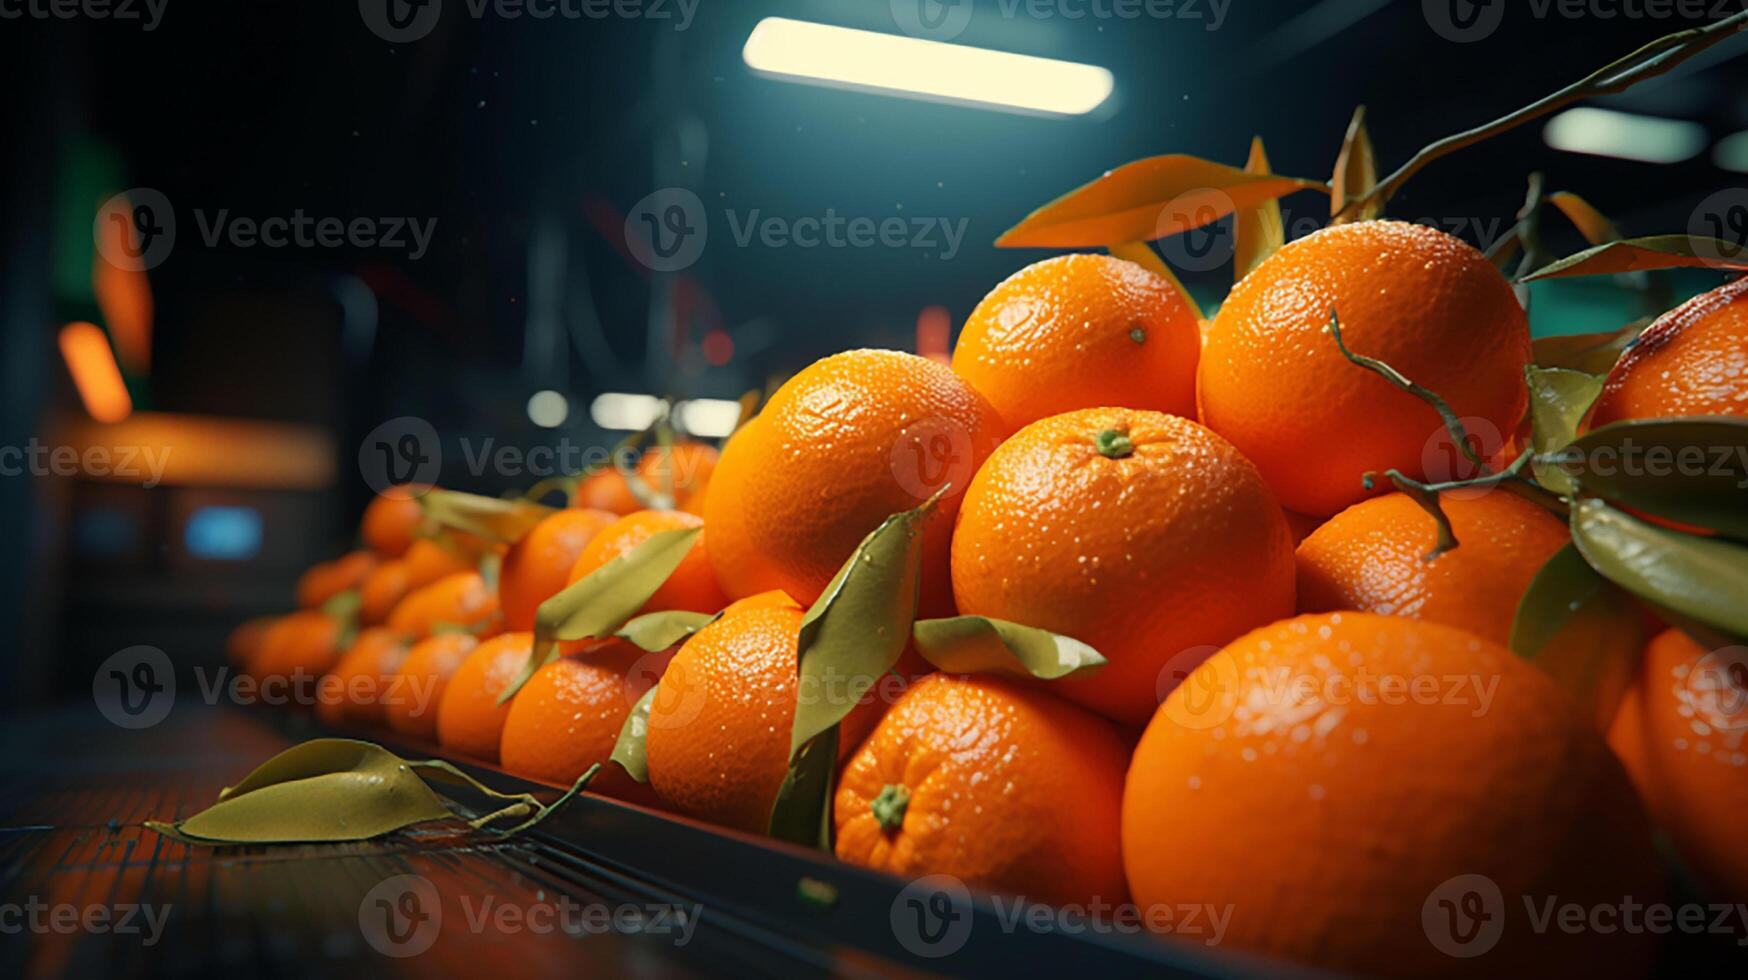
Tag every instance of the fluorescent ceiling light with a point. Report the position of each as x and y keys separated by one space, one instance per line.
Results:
x=616 y=410
x=911 y=67
x=707 y=418
x=1606 y=133
x=548 y=409
x=1731 y=153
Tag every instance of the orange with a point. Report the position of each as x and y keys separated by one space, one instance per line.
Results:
x=427 y=561
x=1145 y=535
x=469 y=718
x=392 y=520
x=1683 y=733
x=330 y=578
x=606 y=489
x=302 y=645
x=1081 y=331
x=719 y=725
x=845 y=444
x=241 y=645
x=692 y=587
x=418 y=686
x=354 y=691
x=569 y=715
x=382 y=590
x=1371 y=558
x=999 y=784
x=1363 y=793
x=689 y=465
x=459 y=600
x=1274 y=383
x=1692 y=361
x=539 y=564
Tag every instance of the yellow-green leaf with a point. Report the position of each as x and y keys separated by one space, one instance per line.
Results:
x=1559 y=400
x=1644 y=254
x=978 y=645
x=1690 y=470
x=802 y=812
x=1258 y=231
x=1148 y=199
x=1702 y=578
x=1596 y=229
x=659 y=630
x=598 y=604
x=493 y=518
x=1591 y=353
x=630 y=751
x=1582 y=630
x=1143 y=255
x=1356 y=174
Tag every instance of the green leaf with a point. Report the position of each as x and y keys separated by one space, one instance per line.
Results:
x=1644 y=254
x=856 y=630
x=977 y=645
x=1702 y=578
x=1582 y=630
x=1143 y=255
x=598 y=604
x=1559 y=400
x=802 y=812
x=657 y=631
x=493 y=518
x=1690 y=470
x=1147 y=199
x=1356 y=173
x=630 y=751
x=1596 y=229
x=1258 y=231
x=1591 y=353
x=330 y=789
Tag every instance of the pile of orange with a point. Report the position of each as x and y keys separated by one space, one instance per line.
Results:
x=1302 y=718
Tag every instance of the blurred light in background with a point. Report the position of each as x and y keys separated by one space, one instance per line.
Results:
x=1606 y=133
x=95 y=374
x=914 y=68
x=223 y=533
x=718 y=347
x=548 y=409
x=933 y=330
x=104 y=532
x=617 y=410
x=1731 y=153
x=707 y=418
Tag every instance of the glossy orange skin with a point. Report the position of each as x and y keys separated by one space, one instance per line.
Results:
x=469 y=718
x=719 y=725
x=1325 y=820
x=382 y=590
x=354 y=691
x=539 y=564
x=607 y=490
x=1011 y=789
x=461 y=600
x=1081 y=331
x=691 y=588
x=427 y=561
x=843 y=445
x=1371 y=558
x=568 y=718
x=391 y=521
x=1274 y=383
x=693 y=464
x=419 y=684
x=1177 y=546
x=1683 y=734
x=304 y=643
x=1692 y=361
x=243 y=641
x=330 y=578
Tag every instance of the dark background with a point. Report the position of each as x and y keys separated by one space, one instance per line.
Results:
x=528 y=140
